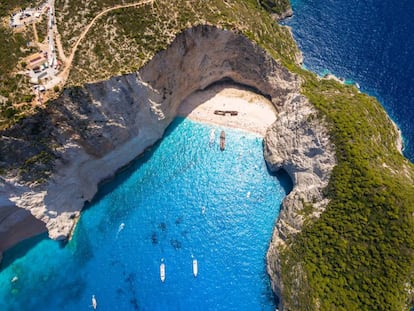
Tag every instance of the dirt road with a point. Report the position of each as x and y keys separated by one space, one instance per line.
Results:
x=63 y=76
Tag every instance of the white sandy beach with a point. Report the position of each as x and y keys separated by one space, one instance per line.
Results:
x=255 y=112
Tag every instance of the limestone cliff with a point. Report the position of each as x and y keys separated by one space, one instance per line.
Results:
x=95 y=130
x=298 y=142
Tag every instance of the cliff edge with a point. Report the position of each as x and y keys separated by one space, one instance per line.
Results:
x=90 y=132
x=298 y=142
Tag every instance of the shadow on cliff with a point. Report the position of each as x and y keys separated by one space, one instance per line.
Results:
x=20 y=250
x=284 y=179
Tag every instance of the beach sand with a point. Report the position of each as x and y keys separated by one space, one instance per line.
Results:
x=255 y=112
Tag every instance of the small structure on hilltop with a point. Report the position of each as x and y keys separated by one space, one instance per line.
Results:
x=36 y=60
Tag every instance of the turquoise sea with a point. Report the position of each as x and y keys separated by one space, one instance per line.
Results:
x=184 y=199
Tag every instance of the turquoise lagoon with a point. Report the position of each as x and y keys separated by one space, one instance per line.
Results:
x=183 y=199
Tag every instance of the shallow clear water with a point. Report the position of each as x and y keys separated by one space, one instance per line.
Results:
x=369 y=42
x=182 y=199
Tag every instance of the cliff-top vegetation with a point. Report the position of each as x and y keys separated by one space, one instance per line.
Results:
x=359 y=254
x=125 y=39
x=275 y=6
x=15 y=91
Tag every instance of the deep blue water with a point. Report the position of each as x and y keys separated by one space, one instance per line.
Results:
x=370 y=42
x=181 y=200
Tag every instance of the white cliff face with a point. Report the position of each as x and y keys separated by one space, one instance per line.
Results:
x=99 y=128
x=298 y=142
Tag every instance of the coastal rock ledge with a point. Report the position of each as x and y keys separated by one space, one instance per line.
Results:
x=53 y=162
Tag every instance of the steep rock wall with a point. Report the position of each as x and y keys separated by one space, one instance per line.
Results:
x=94 y=130
x=297 y=142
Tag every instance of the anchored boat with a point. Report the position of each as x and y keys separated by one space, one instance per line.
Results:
x=195 y=267
x=222 y=140
x=94 y=303
x=162 y=271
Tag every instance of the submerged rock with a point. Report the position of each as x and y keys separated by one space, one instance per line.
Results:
x=176 y=244
x=154 y=238
x=162 y=226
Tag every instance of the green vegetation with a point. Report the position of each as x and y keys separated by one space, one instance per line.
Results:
x=10 y=54
x=13 y=86
x=78 y=13
x=42 y=28
x=359 y=254
x=9 y=51
x=14 y=89
x=7 y=6
x=275 y=6
x=143 y=31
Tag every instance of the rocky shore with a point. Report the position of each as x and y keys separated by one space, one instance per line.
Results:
x=94 y=130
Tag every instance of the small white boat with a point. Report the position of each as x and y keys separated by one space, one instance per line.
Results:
x=120 y=228
x=195 y=267
x=357 y=85
x=94 y=303
x=162 y=271
x=212 y=137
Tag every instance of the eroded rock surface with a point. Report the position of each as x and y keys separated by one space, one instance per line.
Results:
x=298 y=142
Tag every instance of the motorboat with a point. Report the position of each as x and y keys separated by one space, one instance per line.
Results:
x=222 y=140
x=94 y=303
x=195 y=267
x=162 y=271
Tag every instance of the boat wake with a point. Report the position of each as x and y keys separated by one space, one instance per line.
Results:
x=120 y=228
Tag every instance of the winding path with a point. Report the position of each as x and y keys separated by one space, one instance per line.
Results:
x=63 y=76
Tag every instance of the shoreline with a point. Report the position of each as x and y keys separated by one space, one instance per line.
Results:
x=255 y=112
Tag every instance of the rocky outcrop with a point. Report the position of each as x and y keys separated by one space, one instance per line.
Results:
x=283 y=15
x=298 y=142
x=280 y=9
x=94 y=130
